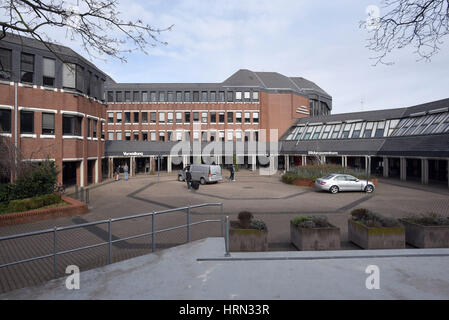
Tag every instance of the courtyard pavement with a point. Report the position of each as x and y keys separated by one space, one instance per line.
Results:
x=199 y=270
x=266 y=196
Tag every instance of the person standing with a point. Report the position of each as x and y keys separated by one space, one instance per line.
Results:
x=188 y=178
x=125 y=170
x=117 y=173
x=232 y=177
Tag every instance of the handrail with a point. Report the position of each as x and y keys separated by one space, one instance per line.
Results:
x=110 y=242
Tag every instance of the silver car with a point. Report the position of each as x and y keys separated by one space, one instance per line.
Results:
x=203 y=173
x=335 y=183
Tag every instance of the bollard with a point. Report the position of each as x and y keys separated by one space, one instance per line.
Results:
x=227 y=254
x=87 y=195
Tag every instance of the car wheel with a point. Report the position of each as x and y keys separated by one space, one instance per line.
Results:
x=369 y=189
x=180 y=178
x=203 y=181
x=334 y=189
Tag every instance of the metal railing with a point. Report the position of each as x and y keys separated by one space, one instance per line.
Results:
x=110 y=242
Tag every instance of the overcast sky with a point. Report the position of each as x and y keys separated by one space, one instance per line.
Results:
x=317 y=40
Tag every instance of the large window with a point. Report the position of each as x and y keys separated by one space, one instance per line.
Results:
x=48 y=72
x=213 y=96
x=170 y=97
x=203 y=117
x=79 y=78
x=204 y=96
x=196 y=96
x=230 y=96
x=346 y=131
x=213 y=117
x=187 y=117
x=221 y=117
x=357 y=130
x=119 y=117
x=238 y=96
x=110 y=96
x=152 y=117
x=178 y=117
x=336 y=131
x=5 y=121
x=221 y=96
x=380 y=129
x=247 y=117
x=317 y=132
x=368 y=130
x=110 y=117
x=196 y=117
x=72 y=78
x=127 y=96
x=153 y=96
x=136 y=117
x=26 y=122
x=127 y=117
x=161 y=96
x=94 y=128
x=178 y=96
x=230 y=117
x=71 y=125
x=161 y=117
x=6 y=64
x=118 y=96
x=48 y=123
x=187 y=97
x=144 y=117
x=255 y=96
x=170 y=117
x=238 y=117
x=144 y=96
x=26 y=67
x=136 y=96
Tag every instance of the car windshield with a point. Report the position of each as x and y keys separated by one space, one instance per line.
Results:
x=328 y=177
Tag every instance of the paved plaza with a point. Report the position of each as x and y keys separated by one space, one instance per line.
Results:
x=266 y=196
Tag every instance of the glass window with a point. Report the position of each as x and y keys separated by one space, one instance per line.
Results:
x=444 y=126
x=247 y=96
x=230 y=96
x=136 y=117
x=26 y=122
x=221 y=96
x=110 y=117
x=118 y=96
x=110 y=136
x=128 y=136
x=71 y=125
x=326 y=132
x=380 y=129
x=213 y=135
x=221 y=117
x=308 y=133
x=187 y=135
x=169 y=135
x=346 y=131
x=317 y=132
x=152 y=117
x=144 y=96
x=178 y=135
x=94 y=128
x=238 y=117
x=110 y=96
x=435 y=123
x=213 y=117
x=255 y=117
x=26 y=67
x=178 y=117
x=178 y=96
x=153 y=136
x=152 y=96
x=247 y=117
x=169 y=117
x=230 y=117
x=187 y=97
x=48 y=72
x=368 y=130
x=161 y=136
x=144 y=136
x=204 y=96
x=196 y=117
x=79 y=78
x=256 y=135
x=357 y=130
x=186 y=117
x=196 y=136
x=170 y=97
x=196 y=96
x=204 y=136
x=48 y=123
x=336 y=131
x=238 y=96
x=161 y=96
x=144 y=117
x=6 y=63
x=220 y=135
x=5 y=120
x=69 y=76
x=238 y=135
x=88 y=127
x=136 y=135
x=299 y=133
x=119 y=117
x=230 y=136
x=213 y=96
x=204 y=117
x=127 y=96
x=119 y=135
x=255 y=96
x=127 y=117
x=161 y=117
x=136 y=96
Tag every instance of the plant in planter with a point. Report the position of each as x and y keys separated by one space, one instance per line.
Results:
x=370 y=230
x=248 y=234
x=429 y=230
x=314 y=233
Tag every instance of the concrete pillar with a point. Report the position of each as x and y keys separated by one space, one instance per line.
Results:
x=304 y=160
x=368 y=164
x=272 y=167
x=169 y=164
x=323 y=159
x=97 y=171
x=83 y=172
x=386 y=166
x=287 y=163
x=254 y=162
x=424 y=171
x=403 y=168
x=343 y=161
x=131 y=166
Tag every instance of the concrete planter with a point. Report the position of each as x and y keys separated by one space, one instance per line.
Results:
x=315 y=238
x=248 y=240
x=376 y=238
x=421 y=236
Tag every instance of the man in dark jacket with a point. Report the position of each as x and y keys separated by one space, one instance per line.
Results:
x=232 y=177
x=188 y=178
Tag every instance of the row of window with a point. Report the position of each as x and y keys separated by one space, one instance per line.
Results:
x=429 y=124
x=205 y=136
x=71 y=125
x=73 y=75
x=184 y=117
x=182 y=96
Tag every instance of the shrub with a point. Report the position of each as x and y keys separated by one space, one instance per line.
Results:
x=30 y=204
x=245 y=218
x=311 y=222
x=429 y=219
x=259 y=225
x=372 y=219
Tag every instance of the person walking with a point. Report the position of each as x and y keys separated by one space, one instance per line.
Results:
x=188 y=178
x=125 y=170
x=117 y=173
x=232 y=177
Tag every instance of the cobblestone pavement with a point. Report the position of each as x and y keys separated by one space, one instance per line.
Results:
x=268 y=198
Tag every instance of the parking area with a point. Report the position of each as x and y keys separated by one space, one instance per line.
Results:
x=266 y=196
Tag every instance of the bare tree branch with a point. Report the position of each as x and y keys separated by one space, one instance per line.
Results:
x=421 y=24
x=96 y=23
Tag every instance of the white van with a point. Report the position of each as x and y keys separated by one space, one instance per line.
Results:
x=204 y=173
